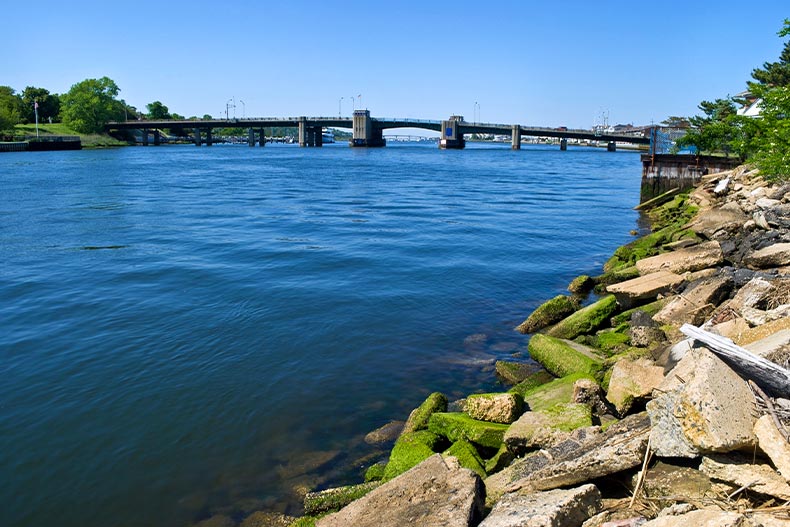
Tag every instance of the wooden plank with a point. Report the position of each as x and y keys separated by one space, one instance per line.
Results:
x=768 y=375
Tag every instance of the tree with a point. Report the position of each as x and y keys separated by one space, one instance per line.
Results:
x=90 y=104
x=10 y=104
x=157 y=111
x=720 y=129
x=775 y=73
x=48 y=104
x=773 y=139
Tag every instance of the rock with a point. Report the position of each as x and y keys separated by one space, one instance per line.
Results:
x=563 y=357
x=467 y=456
x=538 y=378
x=335 y=498
x=632 y=382
x=776 y=255
x=590 y=393
x=644 y=336
x=696 y=302
x=722 y=187
x=556 y=392
x=548 y=313
x=585 y=320
x=457 y=426
x=411 y=449
x=703 y=518
x=758 y=317
x=649 y=309
x=514 y=372
x=375 y=472
x=218 y=520
x=501 y=459
x=581 y=285
x=385 y=434
x=760 y=220
x=494 y=407
x=612 y=519
x=553 y=508
x=767 y=203
x=545 y=428
x=732 y=329
x=773 y=444
x=694 y=258
x=438 y=491
x=664 y=480
x=587 y=454
x=709 y=409
x=728 y=218
x=418 y=418
x=677 y=509
x=760 y=332
x=770 y=344
x=648 y=287
x=267 y=519
x=740 y=471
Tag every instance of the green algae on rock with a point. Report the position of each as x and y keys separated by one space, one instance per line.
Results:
x=585 y=320
x=467 y=456
x=500 y=460
x=564 y=357
x=533 y=381
x=375 y=472
x=457 y=426
x=418 y=418
x=548 y=313
x=553 y=393
x=547 y=427
x=513 y=372
x=410 y=449
x=581 y=285
x=494 y=407
x=335 y=498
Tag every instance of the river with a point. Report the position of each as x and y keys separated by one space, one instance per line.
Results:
x=195 y=331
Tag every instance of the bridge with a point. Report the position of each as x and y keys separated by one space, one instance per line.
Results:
x=368 y=131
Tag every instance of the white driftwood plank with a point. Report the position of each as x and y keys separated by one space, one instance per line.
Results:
x=772 y=377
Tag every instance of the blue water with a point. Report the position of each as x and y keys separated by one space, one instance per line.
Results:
x=195 y=331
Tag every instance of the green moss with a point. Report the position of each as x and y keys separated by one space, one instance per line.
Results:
x=501 y=459
x=586 y=320
x=457 y=426
x=336 y=498
x=548 y=313
x=375 y=472
x=513 y=372
x=569 y=416
x=418 y=418
x=560 y=358
x=611 y=341
x=409 y=451
x=556 y=392
x=533 y=381
x=651 y=309
x=615 y=277
x=581 y=285
x=467 y=456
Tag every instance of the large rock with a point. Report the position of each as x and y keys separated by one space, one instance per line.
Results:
x=664 y=480
x=410 y=450
x=563 y=357
x=494 y=407
x=773 y=444
x=548 y=313
x=739 y=472
x=696 y=302
x=384 y=434
x=554 y=508
x=545 y=428
x=418 y=418
x=467 y=455
x=703 y=518
x=438 y=491
x=644 y=288
x=694 y=258
x=335 y=498
x=728 y=218
x=705 y=408
x=632 y=382
x=585 y=320
x=776 y=255
x=515 y=372
x=770 y=344
x=587 y=454
x=457 y=426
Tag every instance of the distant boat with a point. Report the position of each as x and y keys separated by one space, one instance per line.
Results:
x=327 y=136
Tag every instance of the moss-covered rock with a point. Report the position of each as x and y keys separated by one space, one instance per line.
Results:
x=514 y=372
x=418 y=418
x=467 y=456
x=494 y=407
x=548 y=313
x=612 y=341
x=410 y=449
x=650 y=245
x=585 y=320
x=581 y=285
x=556 y=392
x=533 y=381
x=500 y=460
x=651 y=309
x=547 y=427
x=563 y=357
x=457 y=426
x=375 y=472
x=335 y=498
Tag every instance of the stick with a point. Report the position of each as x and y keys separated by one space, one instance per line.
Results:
x=771 y=410
x=641 y=475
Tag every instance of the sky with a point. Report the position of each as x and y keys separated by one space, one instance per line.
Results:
x=503 y=61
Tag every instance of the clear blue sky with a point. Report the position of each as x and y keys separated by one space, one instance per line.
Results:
x=532 y=63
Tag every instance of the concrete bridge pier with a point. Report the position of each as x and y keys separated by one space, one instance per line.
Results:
x=198 y=140
x=366 y=133
x=611 y=146
x=309 y=135
x=262 y=138
x=515 y=138
x=157 y=138
x=451 y=137
x=250 y=137
x=208 y=137
x=145 y=136
x=563 y=144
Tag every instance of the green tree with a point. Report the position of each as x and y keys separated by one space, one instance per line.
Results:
x=719 y=129
x=10 y=105
x=48 y=104
x=773 y=137
x=157 y=111
x=775 y=73
x=90 y=104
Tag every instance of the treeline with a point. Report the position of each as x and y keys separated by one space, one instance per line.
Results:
x=763 y=139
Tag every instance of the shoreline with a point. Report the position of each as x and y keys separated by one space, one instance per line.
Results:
x=593 y=368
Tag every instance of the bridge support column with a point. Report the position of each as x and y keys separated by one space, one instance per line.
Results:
x=563 y=144
x=251 y=136
x=208 y=137
x=145 y=136
x=451 y=137
x=304 y=133
x=611 y=146
x=515 y=138
x=197 y=137
x=262 y=140
x=157 y=138
x=366 y=133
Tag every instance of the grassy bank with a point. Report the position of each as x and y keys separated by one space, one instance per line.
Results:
x=88 y=140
